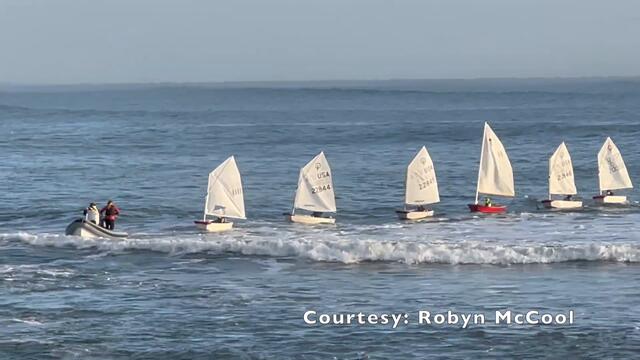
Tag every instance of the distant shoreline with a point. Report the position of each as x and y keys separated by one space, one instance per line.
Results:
x=325 y=84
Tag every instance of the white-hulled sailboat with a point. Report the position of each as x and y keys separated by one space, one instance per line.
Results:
x=612 y=173
x=561 y=181
x=421 y=188
x=224 y=198
x=495 y=175
x=314 y=193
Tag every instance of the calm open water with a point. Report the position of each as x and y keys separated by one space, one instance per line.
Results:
x=171 y=292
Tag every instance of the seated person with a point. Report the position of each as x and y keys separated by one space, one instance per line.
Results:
x=609 y=193
x=487 y=202
x=316 y=214
x=568 y=198
x=92 y=214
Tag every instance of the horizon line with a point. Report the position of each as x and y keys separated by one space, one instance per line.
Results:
x=311 y=81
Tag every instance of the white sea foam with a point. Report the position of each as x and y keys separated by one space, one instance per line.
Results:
x=55 y=272
x=28 y=271
x=349 y=248
x=28 y=321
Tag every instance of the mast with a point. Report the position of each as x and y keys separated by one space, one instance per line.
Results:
x=480 y=165
x=549 y=184
x=206 y=200
x=406 y=185
x=295 y=193
x=549 y=181
x=293 y=207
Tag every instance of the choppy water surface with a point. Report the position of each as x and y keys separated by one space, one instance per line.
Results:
x=171 y=292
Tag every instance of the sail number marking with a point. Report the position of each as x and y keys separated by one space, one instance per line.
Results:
x=320 y=188
x=613 y=166
x=425 y=184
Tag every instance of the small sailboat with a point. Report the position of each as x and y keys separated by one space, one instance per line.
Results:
x=561 y=181
x=495 y=175
x=224 y=198
x=612 y=173
x=314 y=193
x=421 y=188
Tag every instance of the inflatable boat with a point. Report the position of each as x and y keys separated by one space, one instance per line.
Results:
x=88 y=230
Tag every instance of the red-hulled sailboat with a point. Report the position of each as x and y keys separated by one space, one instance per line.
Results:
x=495 y=175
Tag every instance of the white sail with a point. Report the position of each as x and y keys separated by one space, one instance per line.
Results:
x=495 y=176
x=612 y=171
x=561 y=180
x=421 y=184
x=224 y=193
x=315 y=187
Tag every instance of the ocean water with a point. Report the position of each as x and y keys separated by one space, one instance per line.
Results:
x=171 y=292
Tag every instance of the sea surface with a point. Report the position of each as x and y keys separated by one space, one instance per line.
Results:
x=170 y=292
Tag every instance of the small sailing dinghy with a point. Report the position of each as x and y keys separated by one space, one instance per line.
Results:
x=421 y=188
x=224 y=198
x=613 y=175
x=314 y=193
x=88 y=230
x=495 y=175
x=561 y=181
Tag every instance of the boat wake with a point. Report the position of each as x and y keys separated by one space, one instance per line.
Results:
x=350 y=250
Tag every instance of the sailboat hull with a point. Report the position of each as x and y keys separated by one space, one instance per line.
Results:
x=210 y=226
x=611 y=199
x=494 y=209
x=562 y=204
x=413 y=215
x=310 y=220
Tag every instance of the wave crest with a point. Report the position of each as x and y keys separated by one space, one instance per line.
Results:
x=352 y=251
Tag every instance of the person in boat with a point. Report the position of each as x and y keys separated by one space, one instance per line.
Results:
x=92 y=214
x=316 y=214
x=487 y=202
x=220 y=220
x=568 y=198
x=420 y=208
x=111 y=213
x=609 y=193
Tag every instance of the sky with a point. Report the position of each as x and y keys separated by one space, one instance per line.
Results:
x=139 y=41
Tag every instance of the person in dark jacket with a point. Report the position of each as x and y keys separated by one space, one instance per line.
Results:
x=110 y=216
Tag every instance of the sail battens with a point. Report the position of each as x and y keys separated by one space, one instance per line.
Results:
x=315 y=186
x=495 y=174
x=421 y=186
x=612 y=171
x=561 y=177
x=225 y=197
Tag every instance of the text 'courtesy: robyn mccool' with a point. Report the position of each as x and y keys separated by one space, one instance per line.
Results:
x=462 y=320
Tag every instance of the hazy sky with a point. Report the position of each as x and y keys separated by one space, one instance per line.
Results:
x=82 y=41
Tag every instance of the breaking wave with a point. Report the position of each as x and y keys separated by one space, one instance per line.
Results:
x=352 y=251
